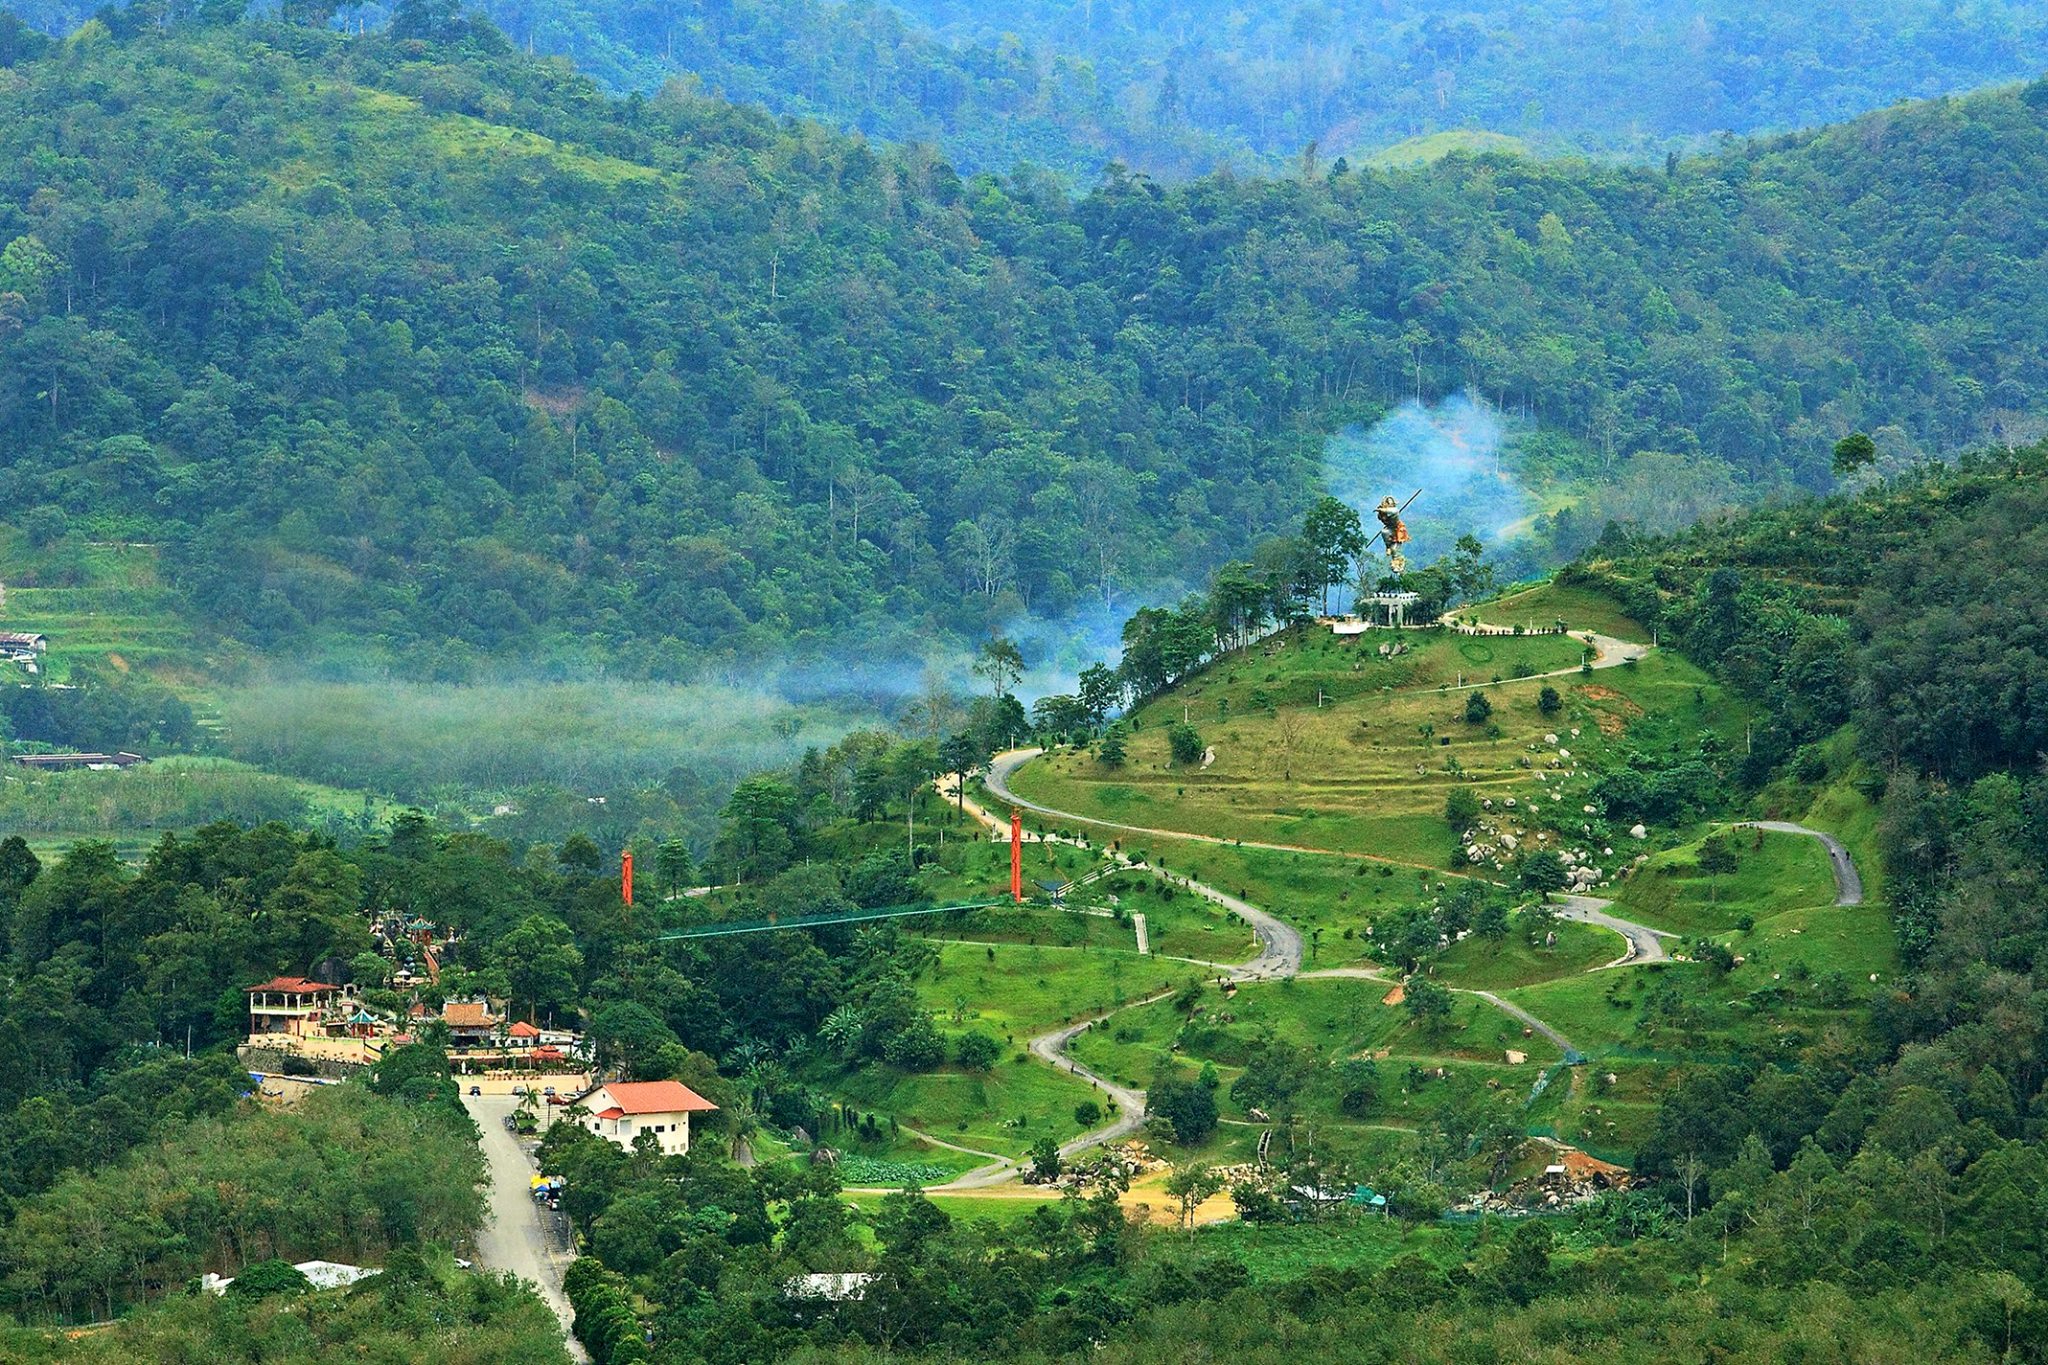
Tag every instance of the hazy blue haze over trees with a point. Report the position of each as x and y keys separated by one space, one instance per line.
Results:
x=425 y=351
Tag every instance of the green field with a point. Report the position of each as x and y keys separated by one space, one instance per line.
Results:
x=1428 y=147
x=1479 y=964
x=102 y=605
x=1336 y=1018
x=1015 y=991
x=1548 y=603
x=1003 y=1112
x=1773 y=873
x=1009 y=1207
x=1368 y=776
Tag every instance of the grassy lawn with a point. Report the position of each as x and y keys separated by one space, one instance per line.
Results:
x=1004 y=1111
x=1336 y=1018
x=1477 y=963
x=1343 y=1241
x=1608 y=1108
x=1369 y=776
x=1178 y=925
x=1678 y=1011
x=1017 y=990
x=974 y=1207
x=1578 y=607
x=1773 y=873
x=1855 y=940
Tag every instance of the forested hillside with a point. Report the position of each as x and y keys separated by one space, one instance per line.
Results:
x=409 y=346
x=1181 y=87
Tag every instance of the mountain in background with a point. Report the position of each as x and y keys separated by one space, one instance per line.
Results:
x=1182 y=87
x=409 y=348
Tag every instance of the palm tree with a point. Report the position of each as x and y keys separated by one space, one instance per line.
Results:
x=742 y=1121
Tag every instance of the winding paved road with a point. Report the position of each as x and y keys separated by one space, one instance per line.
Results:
x=1848 y=882
x=1644 y=943
x=1280 y=944
x=515 y=1236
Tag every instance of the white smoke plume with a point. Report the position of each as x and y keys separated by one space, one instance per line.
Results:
x=1453 y=452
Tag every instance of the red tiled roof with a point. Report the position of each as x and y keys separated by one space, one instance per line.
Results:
x=522 y=1029
x=466 y=1014
x=612 y=1113
x=290 y=983
x=657 y=1097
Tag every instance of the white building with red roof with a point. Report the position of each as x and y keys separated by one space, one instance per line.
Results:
x=289 y=1004
x=620 y=1111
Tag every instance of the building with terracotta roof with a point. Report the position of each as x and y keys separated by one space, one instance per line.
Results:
x=289 y=1004
x=620 y=1111
x=470 y=1023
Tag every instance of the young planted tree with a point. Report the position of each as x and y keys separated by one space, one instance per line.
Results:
x=1111 y=752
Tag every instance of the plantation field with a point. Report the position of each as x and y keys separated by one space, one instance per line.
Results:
x=134 y=806
x=102 y=605
x=1369 y=776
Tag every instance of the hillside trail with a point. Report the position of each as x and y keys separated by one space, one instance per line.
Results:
x=1609 y=652
x=1848 y=881
x=1279 y=957
x=1280 y=944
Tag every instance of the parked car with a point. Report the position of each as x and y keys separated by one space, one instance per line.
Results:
x=553 y=1098
x=476 y=1090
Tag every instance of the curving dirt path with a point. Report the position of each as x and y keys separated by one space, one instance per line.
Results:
x=1848 y=881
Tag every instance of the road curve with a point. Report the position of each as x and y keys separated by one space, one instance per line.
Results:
x=1279 y=957
x=514 y=1236
x=1644 y=943
x=1848 y=881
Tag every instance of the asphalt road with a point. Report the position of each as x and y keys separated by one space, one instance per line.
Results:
x=516 y=1235
x=1848 y=882
x=1644 y=943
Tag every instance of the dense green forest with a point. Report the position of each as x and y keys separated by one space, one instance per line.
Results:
x=415 y=348
x=1855 y=1191
x=1180 y=87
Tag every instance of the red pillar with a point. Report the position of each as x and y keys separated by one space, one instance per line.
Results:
x=1017 y=855
x=626 y=876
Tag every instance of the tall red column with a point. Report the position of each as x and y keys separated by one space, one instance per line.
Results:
x=1017 y=855
x=626 y=876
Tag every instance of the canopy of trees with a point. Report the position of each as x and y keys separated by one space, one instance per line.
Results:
x=425 y=349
